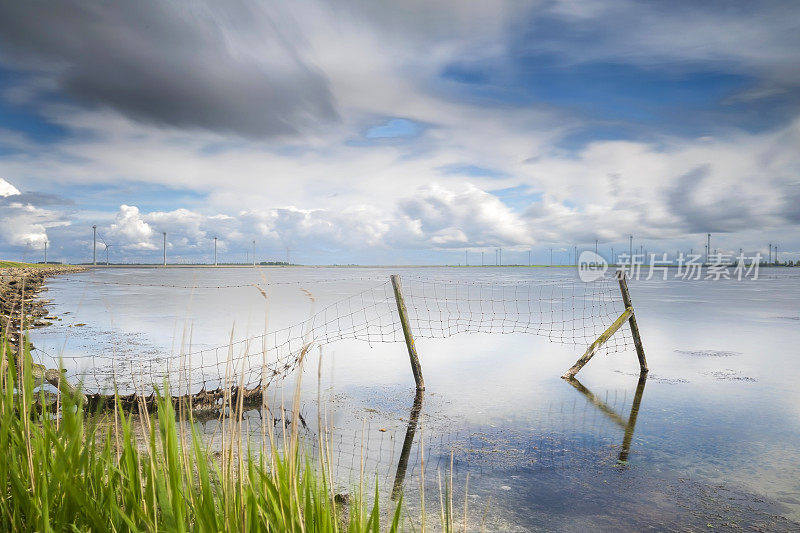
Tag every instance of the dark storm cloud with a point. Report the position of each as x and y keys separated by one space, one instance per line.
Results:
x=37 y=199
x=172 y=63
x=791 y=203
x=727 y=213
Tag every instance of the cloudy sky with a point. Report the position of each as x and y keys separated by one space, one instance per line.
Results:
x=398 y=132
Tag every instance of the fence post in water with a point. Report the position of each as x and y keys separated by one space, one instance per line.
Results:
x=412 y=350
x=627 y=315
x=637 y=340
x=595 y=346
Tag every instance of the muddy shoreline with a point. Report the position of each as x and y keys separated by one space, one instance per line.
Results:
x=20 y=307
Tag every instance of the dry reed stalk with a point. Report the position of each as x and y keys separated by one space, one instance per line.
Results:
x=322 y=437
x=240 y=414
x=361 y=467
x=441 y=499
x=450 y=491
x=189 y=396
x=116 y=425
x=145 y=417
x=466 y=500
x=294 y=436
x=264 y=368
x=4 y=361
x=225 y=466
x=180 y=402
x=22 y=364
x=485 y=512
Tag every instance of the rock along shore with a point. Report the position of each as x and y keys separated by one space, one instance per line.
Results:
x=20 y=283
x=21 y=310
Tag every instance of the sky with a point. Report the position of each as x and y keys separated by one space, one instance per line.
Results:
x=370 y=132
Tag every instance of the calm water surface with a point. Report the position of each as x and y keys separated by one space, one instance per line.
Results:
x=709 y=439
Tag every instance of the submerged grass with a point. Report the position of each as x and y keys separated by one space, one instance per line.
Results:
x=61 y=470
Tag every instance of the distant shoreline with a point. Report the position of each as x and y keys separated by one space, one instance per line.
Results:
x=200 y=265
x=53 y=268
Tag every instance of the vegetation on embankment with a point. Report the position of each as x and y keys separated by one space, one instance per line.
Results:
x=60 y=472
x=65 y=467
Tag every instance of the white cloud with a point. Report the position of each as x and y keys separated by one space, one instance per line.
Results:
x=23 y=227
x=188 y=223
x=24 y=224
x=131 y=229
x=328 y=189
x=352 y=198
x=6 y=189
x=320 y=229
x=466 y=217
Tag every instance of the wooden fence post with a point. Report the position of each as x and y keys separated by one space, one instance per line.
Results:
x=412 y=350
x=637 y=340
x=595 y=346
x=627 y=315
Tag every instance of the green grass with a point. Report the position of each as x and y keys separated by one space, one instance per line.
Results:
x=16 y=264
x=61 y=470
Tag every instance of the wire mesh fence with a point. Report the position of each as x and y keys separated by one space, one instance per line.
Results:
x=563 y=311
x=401 y=450
x=398 y=446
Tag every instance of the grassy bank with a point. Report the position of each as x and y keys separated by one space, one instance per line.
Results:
x=60 y=471
x=16 y=264
x=37 y=266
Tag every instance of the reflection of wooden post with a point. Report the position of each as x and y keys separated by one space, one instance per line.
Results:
x=628 y=425
x=597 y=402
x=637 y=340
x=402 y=464
x=412 y=350
x=637 y=402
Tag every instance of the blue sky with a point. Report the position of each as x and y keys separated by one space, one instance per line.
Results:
x=366 y=133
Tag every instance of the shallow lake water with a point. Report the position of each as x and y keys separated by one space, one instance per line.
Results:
x=709 y=439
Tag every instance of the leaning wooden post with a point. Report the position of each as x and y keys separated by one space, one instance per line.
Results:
x=412 y=350
x=637 y=340
x=627 y=315
x=595 y=346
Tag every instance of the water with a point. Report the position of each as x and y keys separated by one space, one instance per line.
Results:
x=714 y=442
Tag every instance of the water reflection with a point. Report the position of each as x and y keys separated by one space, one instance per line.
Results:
x=533 y=435
x=402 y=464
x=629 y=424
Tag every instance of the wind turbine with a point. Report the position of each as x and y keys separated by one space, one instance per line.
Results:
x=107 y=247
